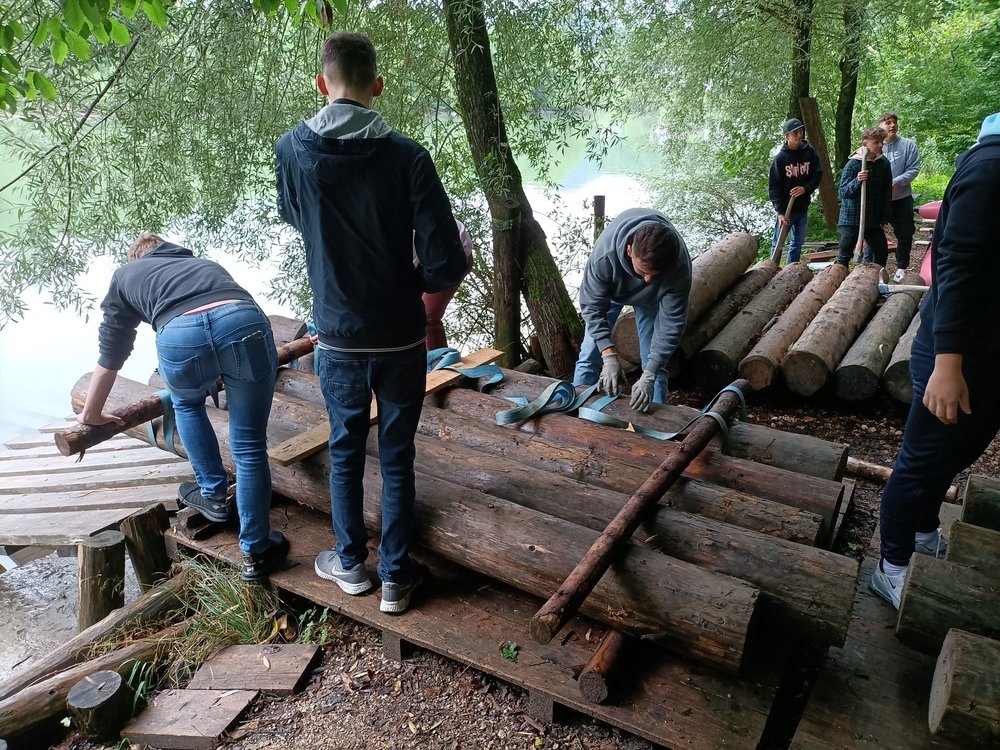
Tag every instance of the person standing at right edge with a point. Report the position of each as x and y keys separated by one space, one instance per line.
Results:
x=955 y=412
x=366 y=200
x=905 y=163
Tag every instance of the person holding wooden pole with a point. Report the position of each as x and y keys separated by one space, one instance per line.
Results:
x=794 y=175
x=866 y=167
x=365 y=199
x=639 y=260
x=206 y=326
x=955 y=413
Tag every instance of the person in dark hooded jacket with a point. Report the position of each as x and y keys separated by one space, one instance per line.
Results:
x=365 y=199
x=794 y=175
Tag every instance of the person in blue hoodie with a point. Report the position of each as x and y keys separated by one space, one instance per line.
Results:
x=955 y=413
x=365 y=199
x=639 y=260
x=795 y=173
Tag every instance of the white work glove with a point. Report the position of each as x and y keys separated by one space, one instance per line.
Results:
x=612 y=378
x=642 y=391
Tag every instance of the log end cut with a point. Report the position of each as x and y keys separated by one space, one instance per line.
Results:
x=543 y=628
x=758 y=370
x=804 y=372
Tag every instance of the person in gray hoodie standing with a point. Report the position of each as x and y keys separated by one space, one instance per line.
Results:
x=366 y=200
x=902 y=156
x=639 y=260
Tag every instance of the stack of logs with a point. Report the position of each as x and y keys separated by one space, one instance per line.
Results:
x=763 y=324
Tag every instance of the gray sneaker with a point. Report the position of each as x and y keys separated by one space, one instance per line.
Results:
x=889 y=587
x=353 y=581
x=936 y=547
x=396 y=596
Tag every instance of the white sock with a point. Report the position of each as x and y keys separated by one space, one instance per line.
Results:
x=927 y=537
x=890 y=569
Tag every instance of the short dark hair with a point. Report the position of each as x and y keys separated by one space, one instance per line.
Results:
x=655 y=246
x=873 y=134
x=888 y=116
x=349 y=57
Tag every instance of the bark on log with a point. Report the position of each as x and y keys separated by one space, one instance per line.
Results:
x=102 y=577
x=567 y=600
x=716 y=364
x=286 y=330
x=811 y=360
x=703 y=330
x=597 y=676
x=803 y=454
x=975 y=547
x=761 y=365
x=100 y=704
x=40 y=703
x=940 y=595
x=144 y=539
x=981 y=505
x=860 y=371
x=153 y=606
x=625 y=335
x=965 y=692
x=896 y=380
x=703 y=615
x=78 y=439
x=875 y=473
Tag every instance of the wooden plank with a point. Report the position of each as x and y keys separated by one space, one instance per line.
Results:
x=464 y=616
x=188 y=719
x=146 y=456
x=280 y=669
x=99 y=479
x=54 y=529
x=134 y=498
x=59 y=425
x=35 y=440
x=314 y=440
x=47 y=448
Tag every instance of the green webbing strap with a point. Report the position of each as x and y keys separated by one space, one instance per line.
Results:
x=169 y=423
x=560 y=396
x=739 y=395
x=446 y=357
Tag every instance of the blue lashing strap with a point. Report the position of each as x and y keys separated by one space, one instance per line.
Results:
x=294 y=364
x=169 y=423
x=446 y=357
x=560 y=396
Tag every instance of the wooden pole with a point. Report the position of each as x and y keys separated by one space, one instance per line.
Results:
x=600 y=218
x=77 y=439
x=100 y=704
x=860 y=244
x=102 y=576
x=565 y=603
x=783 y=233
x=857 y=467
x=596 y=677
x=144 y=539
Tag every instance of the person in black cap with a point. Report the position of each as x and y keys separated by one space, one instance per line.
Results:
x=795 y=173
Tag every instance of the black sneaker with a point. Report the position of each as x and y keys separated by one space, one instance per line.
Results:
x=396 y=596
x=256 y=567
x=219 y=509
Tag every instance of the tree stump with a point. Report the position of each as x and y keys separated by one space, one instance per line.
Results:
x=965 y=692
x=100 y=704
x=144 y=539
x=101 y=561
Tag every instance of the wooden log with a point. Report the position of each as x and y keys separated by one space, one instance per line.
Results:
x=77 y=439
x=102 y=576
x=286 y=330
x=803 y=454
x=144 y=541
x=100 y=704
x=857 y=467
x=703 y=330
x=760 y=366
x=716 y=364
x=700 y=614
x=151 y=607
x=975 y=547
x=37 y=704
x=811 y=360
x=981 y=505
x=860 y=371
x=940 y=595
x=964 y=705
x=597 y=676
x=896 y=380
x=625 y=335
x=564 y=604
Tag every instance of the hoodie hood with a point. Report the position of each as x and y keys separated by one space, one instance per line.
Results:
x=346 y=119
x=631 y=221
x=991 y=126
x=341 y=141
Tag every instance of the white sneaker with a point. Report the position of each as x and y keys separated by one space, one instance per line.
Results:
x=937 y=546
x=888 y=586
x=898 y=276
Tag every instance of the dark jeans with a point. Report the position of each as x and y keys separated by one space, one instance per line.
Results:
x=397 y=380
x=933 y=453
x=876 y=246
x=902 y=226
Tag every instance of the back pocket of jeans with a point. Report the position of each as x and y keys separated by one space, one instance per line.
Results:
x=256 y=358
x=181 y=375
x=346 y=381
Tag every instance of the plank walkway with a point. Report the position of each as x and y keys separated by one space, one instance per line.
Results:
x=47 y=499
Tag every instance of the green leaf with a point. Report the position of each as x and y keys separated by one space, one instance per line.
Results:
x=291 y=6
x=93 y=12
x=508 y=650
x=18 y=29
x=155 y=12
x=6 y=36
x=100 y=32
x=73 y=15
x=78 y=45
x=129 y=8
x=9 y=62
x=55 y=27
x=41 y=34
x=59 y=51
x=119 y=34
x=341 y=6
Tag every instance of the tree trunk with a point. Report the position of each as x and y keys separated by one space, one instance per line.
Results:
x=860 y=371
x=896 y=380
x=761 y=364
x=817 y=137
x=975 y=547
x=715 y=365
x=965 y=692
x=811 y=360
x=802 y=11
x=850 y=63
x=521 y=258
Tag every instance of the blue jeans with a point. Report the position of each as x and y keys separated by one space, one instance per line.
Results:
x=796 y=235
x=348 y=380
x=233 y=341
x=589 y=364
x=933 y=453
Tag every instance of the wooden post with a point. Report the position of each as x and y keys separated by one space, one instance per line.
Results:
x=600 y=218
x=965 y=691
x=102 y=576
x=827 y=190
x=565 y=603
x=144 y=539
x=100 y=704
x=596 y=677
x=982 y=502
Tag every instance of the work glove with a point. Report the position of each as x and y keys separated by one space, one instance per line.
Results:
x=642 y=391
x=612 y=378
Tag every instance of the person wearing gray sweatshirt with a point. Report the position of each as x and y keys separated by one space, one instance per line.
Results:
x=904 y=160
x=640 y=260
